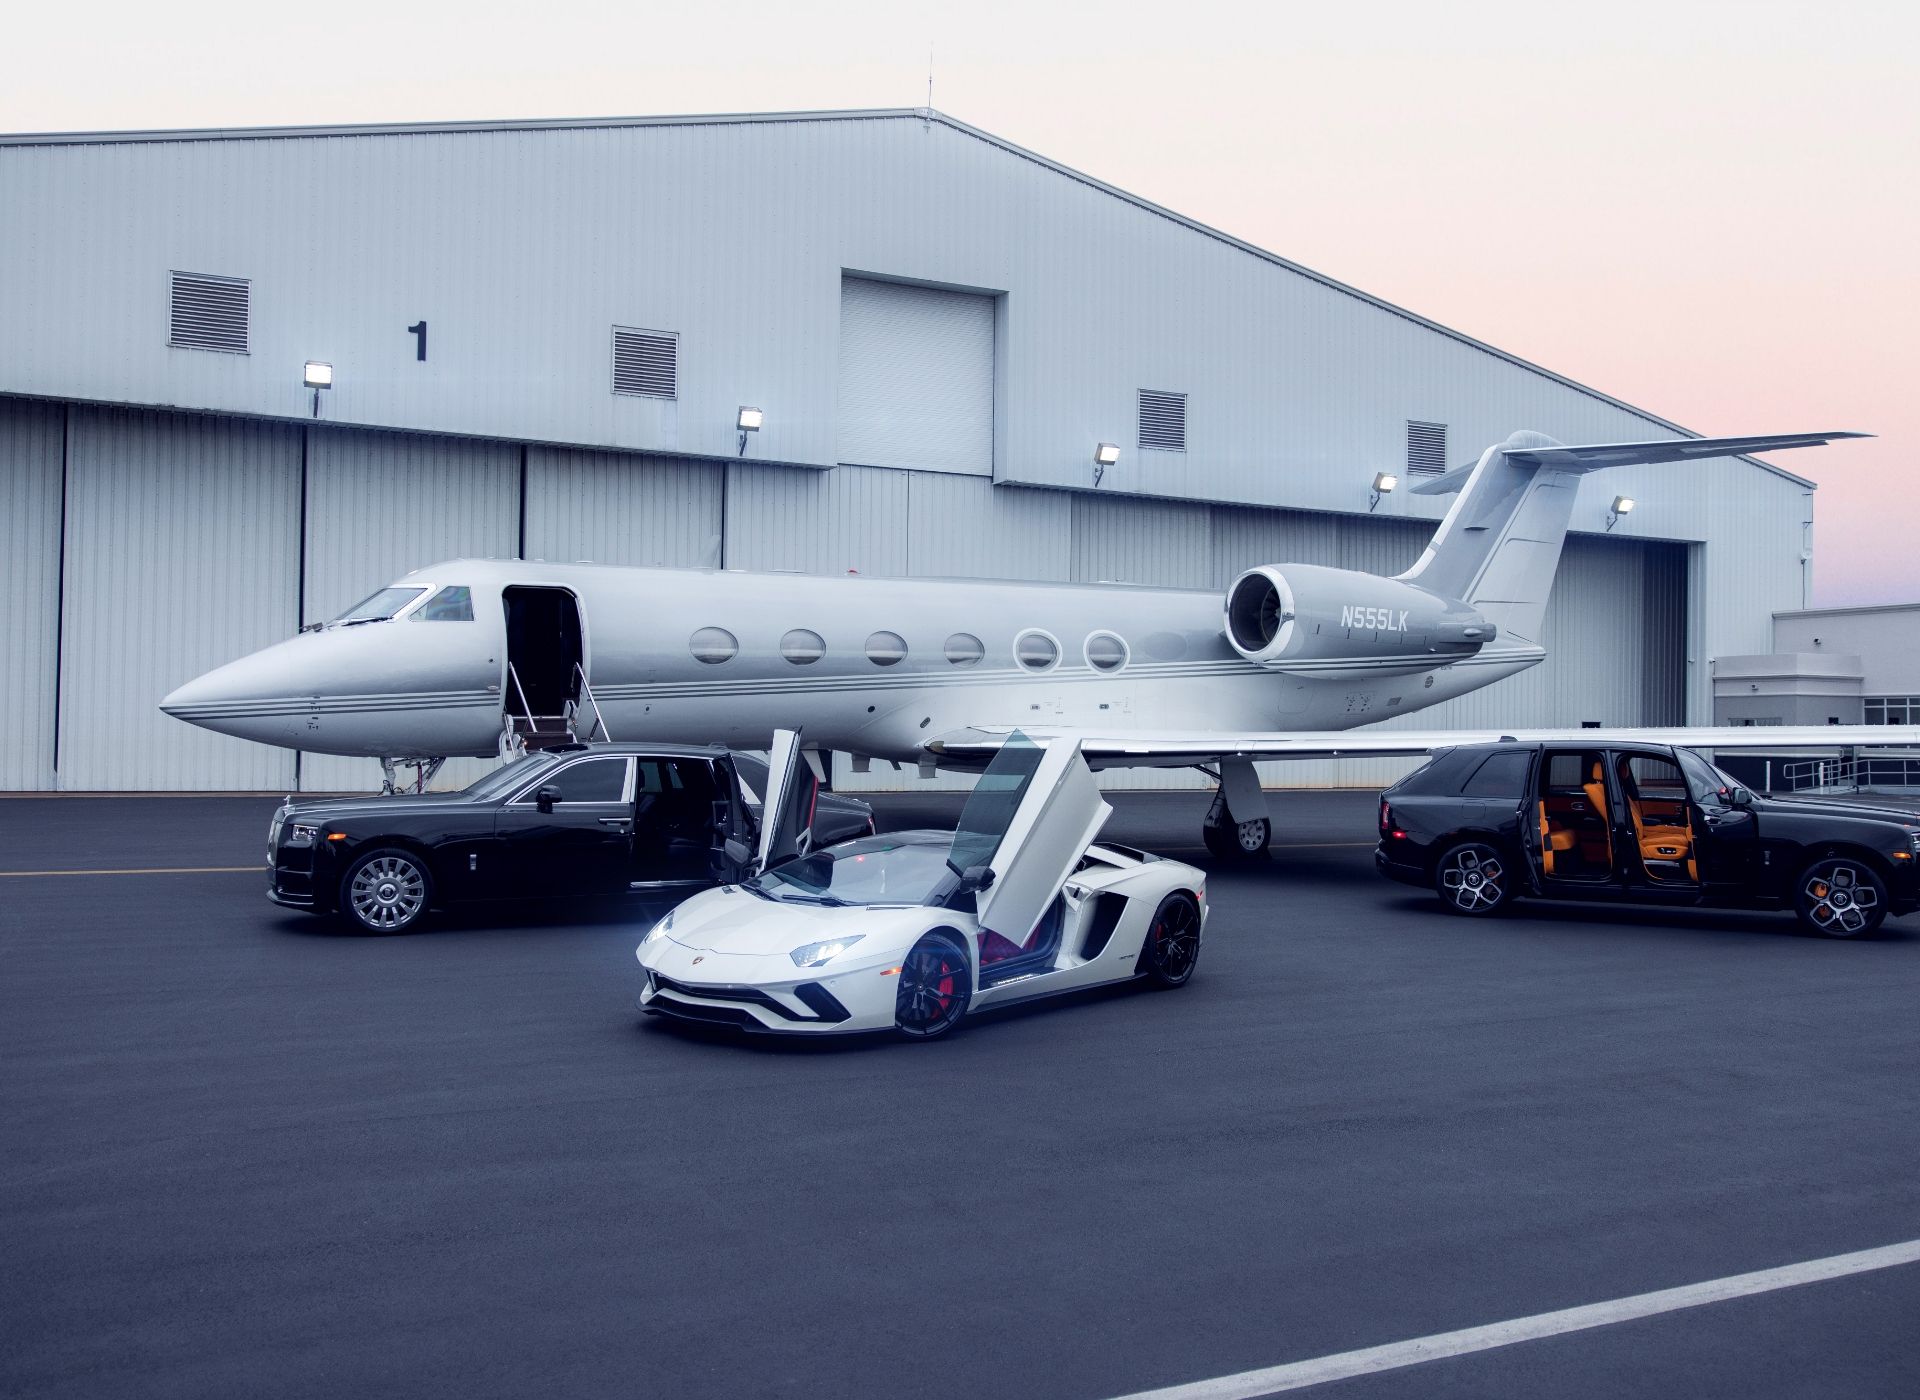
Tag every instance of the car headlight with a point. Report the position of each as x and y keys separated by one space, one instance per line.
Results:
x=659 y=930
x=298 y=835
x=814 y=954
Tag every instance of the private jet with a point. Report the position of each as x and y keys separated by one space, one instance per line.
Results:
x=483 y=657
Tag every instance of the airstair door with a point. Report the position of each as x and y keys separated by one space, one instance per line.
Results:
x=545 y=663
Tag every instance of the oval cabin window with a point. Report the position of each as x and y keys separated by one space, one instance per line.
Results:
x=803 y=647
x=886 y=649
x=1036 y=651
x=713 y=645
x=1106 y=652
x=964 y=649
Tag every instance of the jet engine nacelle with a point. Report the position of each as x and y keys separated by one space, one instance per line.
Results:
x=1309 y=620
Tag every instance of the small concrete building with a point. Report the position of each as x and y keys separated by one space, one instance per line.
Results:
x=1828 y=666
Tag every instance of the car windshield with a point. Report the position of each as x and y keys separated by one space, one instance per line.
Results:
x=380 y=606
x=904 y=868
x=1710 y=784
x=508 y=775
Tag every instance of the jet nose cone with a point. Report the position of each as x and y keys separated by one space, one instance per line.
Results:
x=247 y=698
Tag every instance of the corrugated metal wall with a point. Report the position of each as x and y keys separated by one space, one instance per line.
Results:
x=31 y=436
x=848 y=520
x=180 y=540
x=382 y=504
x=622 y=508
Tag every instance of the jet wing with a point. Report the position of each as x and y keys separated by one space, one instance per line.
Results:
x=1186 y=748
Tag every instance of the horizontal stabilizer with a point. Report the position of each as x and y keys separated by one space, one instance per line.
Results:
x=1631 y=454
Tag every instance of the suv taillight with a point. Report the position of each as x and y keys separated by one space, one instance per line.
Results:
x=1389 y=829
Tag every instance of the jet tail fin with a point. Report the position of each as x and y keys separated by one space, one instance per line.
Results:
x=1500 y=544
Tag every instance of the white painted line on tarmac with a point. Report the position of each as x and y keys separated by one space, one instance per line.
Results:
x=1297 y=1375
x=158 y=870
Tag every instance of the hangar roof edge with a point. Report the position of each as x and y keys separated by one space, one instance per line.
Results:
x=266 y=133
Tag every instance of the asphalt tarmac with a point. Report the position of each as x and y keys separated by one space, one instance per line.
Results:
x=244 y=1153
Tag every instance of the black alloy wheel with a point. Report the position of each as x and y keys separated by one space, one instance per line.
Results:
x=386 y=891
x=1172 y=947
x=1474 y=878
x=1840 y=898
x=935 y=987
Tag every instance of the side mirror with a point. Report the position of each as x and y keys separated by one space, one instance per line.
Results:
x=739 y=852
x=546 y=796
x=1741 y=798
x=976 y=878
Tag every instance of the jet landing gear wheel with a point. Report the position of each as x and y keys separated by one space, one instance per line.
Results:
x=935 y=987
x=1473 y=878
x=1840 y=898
x=1227 y=839
x=386 y=891
x=1172 y=948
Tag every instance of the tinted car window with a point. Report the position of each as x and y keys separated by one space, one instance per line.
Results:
x=593 y=780
x=1499 y=775
x=1655 y=777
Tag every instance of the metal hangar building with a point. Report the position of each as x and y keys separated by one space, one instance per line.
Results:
x=540 y=337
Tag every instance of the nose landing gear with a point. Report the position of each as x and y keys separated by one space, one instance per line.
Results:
x=424 y=771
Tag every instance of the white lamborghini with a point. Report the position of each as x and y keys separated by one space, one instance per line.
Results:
x=910 y=931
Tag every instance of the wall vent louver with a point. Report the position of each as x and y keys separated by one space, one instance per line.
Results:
x=646 y=363
x=1426 y=448
x=1163 y=420
x=208 y=313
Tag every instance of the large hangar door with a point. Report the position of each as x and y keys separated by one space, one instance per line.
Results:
x=916 y=377
x=180 y=542
x=380 y=504
x=30 y=469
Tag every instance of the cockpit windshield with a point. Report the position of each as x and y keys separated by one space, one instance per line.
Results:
x=454 y=603
x=380 y=606
x=903 y=868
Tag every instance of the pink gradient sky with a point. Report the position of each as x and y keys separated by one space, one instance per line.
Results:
x=1711 y=210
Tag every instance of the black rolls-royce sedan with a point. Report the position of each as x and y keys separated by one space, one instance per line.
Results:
x=579 y=820
x=1482 y=824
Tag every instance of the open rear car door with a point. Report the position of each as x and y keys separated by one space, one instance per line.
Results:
x=786 y=813
x=1031 y=817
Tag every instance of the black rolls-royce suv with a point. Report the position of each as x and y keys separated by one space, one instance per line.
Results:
x=582 y=819
x=1486 y=823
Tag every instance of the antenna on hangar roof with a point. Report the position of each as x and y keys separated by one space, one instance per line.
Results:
x=926 y=119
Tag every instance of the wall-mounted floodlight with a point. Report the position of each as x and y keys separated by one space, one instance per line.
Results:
x=1384 y=484
x=1105 y=454
x=317 y=376
x=748 y=420
x=1622 y=505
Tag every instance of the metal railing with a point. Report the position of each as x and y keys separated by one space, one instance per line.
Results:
x=599 y=720
x=1850 y=774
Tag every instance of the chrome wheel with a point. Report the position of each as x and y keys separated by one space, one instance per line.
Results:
x=1173 y=941
x=387 y=892
x=935 y=986
x=1473 y=879
x=1841 y=899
